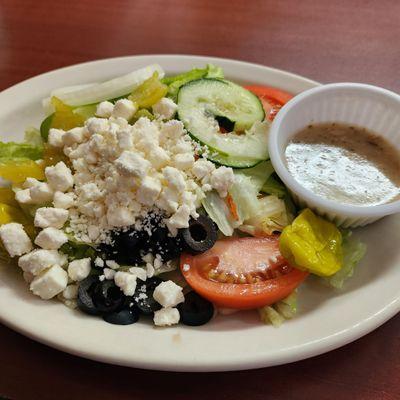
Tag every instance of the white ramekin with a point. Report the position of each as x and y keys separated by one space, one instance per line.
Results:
x=370 y=107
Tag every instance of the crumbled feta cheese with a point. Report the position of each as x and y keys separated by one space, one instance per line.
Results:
x=63 y=200
x=104 y=109
x=97 y=125
x=172 y=130
x=158 y=157
x=222 y=179
x=132 y=163
x=179 y=220
x=70 y=292
x=41 y=193
x=126 y=282
x=149 y=270
x=59 y=177
x=168 y=294
x=90 y=191
x=56 y=137
x=79 y=269
x=38 y=260
x=50 y=283
x=186 y=267
x=51 y=239
x=175 y=178
x=30 y=182
x=202 y=167
x=74 y=135
x=120 y=217
x=112 y=264
x=98 y=262
x=23 y=196
x=139 y=272
x=149 y=190
x=50 y=217
x=166 y=317
x=124 y=108
x=165 y=108
x=109 y=273
x=28 y=277
x=125 y=139
x=15 y=239
x=183 y=161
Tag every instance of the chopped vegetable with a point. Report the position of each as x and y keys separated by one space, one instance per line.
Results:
x=77 y=250
x=142 y=113
x=271 y=215
x=149 y=92
x=219 y=212
x=33 y=137
x=111 y=89
x=274 y=186
x=280 y=311
x=11 y=150
x=17 y=170
x=313 y=244
x=64 y=116
x=353 y=251
x=14 y=214
x=46 y=125
x=242 y=273
x=175 y=82
x=7 y=196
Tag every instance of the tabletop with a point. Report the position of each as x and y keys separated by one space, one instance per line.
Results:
x=325 y=40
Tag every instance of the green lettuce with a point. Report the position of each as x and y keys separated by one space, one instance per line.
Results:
x=33 y=137
x=353 y=251
x=280 y=311
x=274 y=186
x=10 y=150
x=175 y=82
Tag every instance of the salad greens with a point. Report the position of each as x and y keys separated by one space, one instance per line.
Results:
x=280 y=311
x=174 y=83
x=353 y=251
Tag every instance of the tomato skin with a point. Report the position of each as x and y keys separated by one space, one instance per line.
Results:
x=271 y=98
x=239 y=295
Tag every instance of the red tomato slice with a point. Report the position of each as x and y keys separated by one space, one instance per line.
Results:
x=242 y=273
x=271 y=98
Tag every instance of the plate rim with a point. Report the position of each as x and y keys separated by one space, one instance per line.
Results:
x=283 y=356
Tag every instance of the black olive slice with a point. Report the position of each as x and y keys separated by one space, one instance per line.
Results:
x=200 y=236
x=107 y=296
x=122 y=317
x=85 y=295
x=195 y=310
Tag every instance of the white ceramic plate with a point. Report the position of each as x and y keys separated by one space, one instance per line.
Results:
x=326 y=319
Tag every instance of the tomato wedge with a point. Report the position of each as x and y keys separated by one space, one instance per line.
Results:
x=271 y=98
x=242 y=273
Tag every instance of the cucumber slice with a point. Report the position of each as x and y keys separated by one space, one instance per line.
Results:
x=234 y=162
x=203 y=101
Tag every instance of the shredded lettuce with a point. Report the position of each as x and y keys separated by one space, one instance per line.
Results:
x=274 y=186
x=280 y=311
x=33 y=137
x=175 y=82
x=271 y=215
x=76 y=250
x=218 y=211
x=12 y=150
x=353 y=251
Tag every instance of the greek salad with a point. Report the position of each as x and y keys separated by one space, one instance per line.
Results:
x=152 y=196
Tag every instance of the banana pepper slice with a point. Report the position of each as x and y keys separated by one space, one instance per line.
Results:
x=313 y=244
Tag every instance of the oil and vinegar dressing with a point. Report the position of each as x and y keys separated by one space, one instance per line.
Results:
x=345 y=163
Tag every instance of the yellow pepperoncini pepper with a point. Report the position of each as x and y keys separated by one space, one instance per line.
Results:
x=313 y=244
x=149 y=92
x=17 y=170
x=13 y=214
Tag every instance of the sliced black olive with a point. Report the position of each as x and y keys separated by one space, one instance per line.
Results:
x=195 y=310
x=85 y=295
x=143 y=297
x=107 y=296
x=164 y=245
x=122 y=317
x=200 y=235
